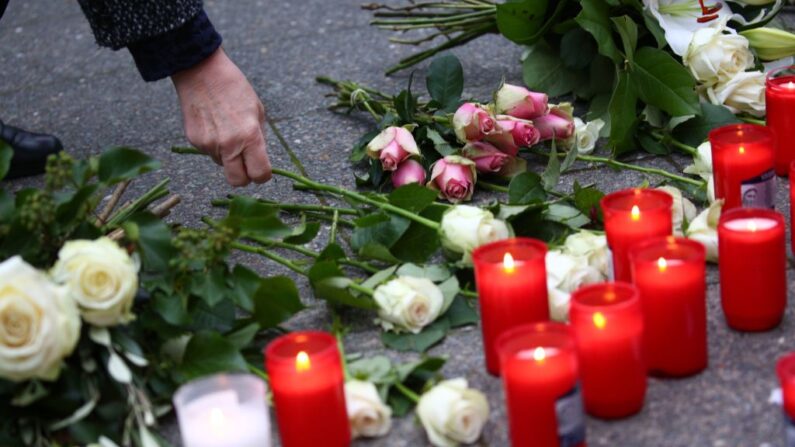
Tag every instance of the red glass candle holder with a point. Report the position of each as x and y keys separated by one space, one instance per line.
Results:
x=743 y=160
x=632 y=216
x=608 y=325
x=792 y=205
x=307 y=381
x=511 y=278
x=752 y=263
x=785 y=369
x=670 y=275
x=540 y=379
x=780 y=103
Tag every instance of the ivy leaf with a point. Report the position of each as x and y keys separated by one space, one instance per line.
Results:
x=519 y=20
x=256 y=218
x=663 y=82
x=153 y=238
x=695 y=130
x=245 y=283
x=275 y=301
x=304 y=233
x=124 y=163
x=209 y=353
x=6 y=153
x=526 y=189
x=595 y=18
x=445 y=81
x=211 y=287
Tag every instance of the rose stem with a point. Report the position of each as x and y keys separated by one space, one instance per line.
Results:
x=156 y=192
x=690 y=150
x=296 y=207
x=407 y=392
x=114 y=200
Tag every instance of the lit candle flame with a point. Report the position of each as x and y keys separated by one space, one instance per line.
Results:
x=742 y=149
x=599 y=320
x=662 y=264
x=217 y=420
x=752 y=226
x=508 y=263
x=635 y=212
x=539 y=354
x=302 y=362
x=790 y=85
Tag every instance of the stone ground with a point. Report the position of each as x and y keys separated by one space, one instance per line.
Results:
x=54 y=78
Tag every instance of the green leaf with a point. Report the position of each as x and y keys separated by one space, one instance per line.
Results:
x=378 y=228
x=256 y=218
x=577 y=49
x=245 y=283
x=417 y=244
x=153 y=238
x=275 y=301
x=694 y=131
x=220 y=317
x=379 y=277
x=330 y=284
x=377 y=369
x=412 y=197
x=628 y=31
x=430 y=335
x=543 y=70
x=208 y=353
x=210 y=287
x=663 y=82
x=445 y=81
x=304 y=233
x=406 y=104
x=655 y=29
x=433 y=272
x=587 y=200
x=242 y=337
x=171 y=309
x=551 y=174
x=461 y=313
x=519 y=20
x=623 y=115
x=359 y=150
x=595 y=18
x=525 y=189
x=124 y=163
x=567 y=215
x=6 y=154
x=439 y=143
x=651 y=144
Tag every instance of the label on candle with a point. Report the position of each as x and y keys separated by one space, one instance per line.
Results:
x=759 y=192
x=789 y=431
x=571 y=419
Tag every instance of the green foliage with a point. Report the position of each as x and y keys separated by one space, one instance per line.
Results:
x=520 y=20
x=124 y=163
x=445 y=81
x=695 y=130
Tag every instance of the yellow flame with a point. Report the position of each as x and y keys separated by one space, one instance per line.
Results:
x=790 y=85
x=217 y=419
x=742 y=149
x=508 y=263
x=599 y=320
x=610 y=295
x=539 y=354
x=302 y=362
x=635 y=212
x=752 y=226
x=662 y=264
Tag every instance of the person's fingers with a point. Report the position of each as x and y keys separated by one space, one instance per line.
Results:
x=235 y=171
x=255 y=158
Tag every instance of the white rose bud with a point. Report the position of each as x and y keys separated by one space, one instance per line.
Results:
x=39 y=324
x=465 y=228
x=702 y=161
x=565 y=274
x=453 y=413
x=590 y=246
x=745 y=92
x=715 y=56
x=367 y=414
x=682 y=209
x=408 y=303
x=586 y=135
x=101 y=277
x=704 y=229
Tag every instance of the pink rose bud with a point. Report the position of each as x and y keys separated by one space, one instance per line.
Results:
x=520 y=102
x=557 y=124
x=472 y=122
x=487 y=158
x=410 y=171
x=514 y=133
x=454 y=177
x=392 y=146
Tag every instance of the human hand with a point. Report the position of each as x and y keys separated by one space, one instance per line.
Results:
x=223 y=117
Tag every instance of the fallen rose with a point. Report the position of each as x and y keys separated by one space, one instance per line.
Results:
x=513 y=133
x=472 y=122
x=465 y=228
x=487 y=158
x=453 y=413
x=410 y=171
x=454 y=177
x=520 y=102
x=392 y=146
x=557 y=124
x=367 y=414
x=408 y=303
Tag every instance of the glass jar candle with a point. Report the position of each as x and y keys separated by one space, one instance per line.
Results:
x=743 y=160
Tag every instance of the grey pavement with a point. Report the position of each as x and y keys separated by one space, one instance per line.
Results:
x=54 y=78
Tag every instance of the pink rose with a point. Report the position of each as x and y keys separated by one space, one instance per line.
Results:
x=454 y=177
x=392 y=146
x=472 y=122
x=487 y=158
x=520 y=102
x=557 y=124
x=410 y=171
x=513 y=134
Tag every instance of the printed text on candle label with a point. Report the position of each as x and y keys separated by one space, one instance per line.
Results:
x=759 y=192
x=571 y=419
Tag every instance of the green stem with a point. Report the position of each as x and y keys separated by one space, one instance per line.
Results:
x=690 y=150
x=297 y=207
x=407 y=392
x=341 y=346
x=258 y=372
x=156 y=192
x=333 y=231
x=272 y=256
x=468 y=293
x=750 y=120
x=359 y=198
x=491 y=186
x=360 y=288
x=434 y=20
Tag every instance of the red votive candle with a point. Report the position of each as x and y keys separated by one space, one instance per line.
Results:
x=785 y=369
x=792 y=204
x=743 y=158
x=632 y=216
x=539 y=376
x=752 y=263
x=307 y=381
x=670 y=275
x=780 y=103
x=511 y=278
x=608 y=326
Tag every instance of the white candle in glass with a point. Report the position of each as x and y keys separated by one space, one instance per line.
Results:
x=223 y=411
x=751 y=224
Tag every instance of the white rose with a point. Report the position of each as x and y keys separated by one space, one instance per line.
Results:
x=745 y=92
x=702 y=161
x=586 y=135
x=39 y=324
x=565 y=274
x=704 y=229
x=408 y=303
x=452 y=413
x=682 y=209
x=710 y=189
x=715 y=56
x=101 y=277
x=590 y=246
x=465 y=227
x=367 y=414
